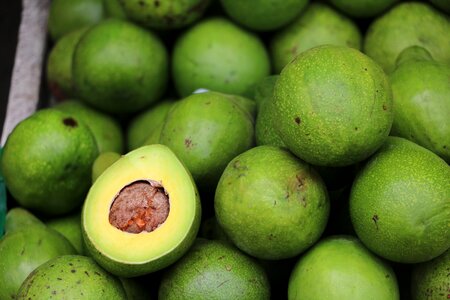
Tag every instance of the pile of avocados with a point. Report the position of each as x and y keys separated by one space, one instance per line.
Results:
x=228 y=149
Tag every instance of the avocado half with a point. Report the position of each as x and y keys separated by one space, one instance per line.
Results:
x=142 y=213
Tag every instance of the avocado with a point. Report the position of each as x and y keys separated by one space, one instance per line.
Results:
x=421 y=91
x=71 y=277
x=430 y=280
x=142 y=125
x=114 y=9
x=70 y=228
x=214 y=270
x=318 y=25
x=363 y=8
x=333 y=106
x=59 y=64
x=340 y=267
x=66 y=16
x=106 y=130
x=23 y=250
x=206 y=131
x=399 y=203
x=119 y=67
x=102 y=162
x=164 y=14
x=408 y=24
x=142 y=213
x=271 y=204
x=218 y=55
x=18 y=218
x=263 y=15
x=47 y=162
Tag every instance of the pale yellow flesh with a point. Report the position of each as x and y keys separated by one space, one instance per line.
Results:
x=153 y=162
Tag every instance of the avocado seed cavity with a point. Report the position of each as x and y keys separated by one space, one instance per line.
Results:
x=140 y=206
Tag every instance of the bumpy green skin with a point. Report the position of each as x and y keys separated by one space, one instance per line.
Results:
x=71 y=277
x=69 y=15
x=333 y=106
x=24 y=250
x=47 y=162
x=263 y=15
x=421 y=93
x=18 y=218
x=430 y=280
x=265 y=132
x=270 y=204
x=103 y=162
x=164 y=14
x=218 y=55
x=340 y=267
x=399 y=203
x=405 y=25
x=119 y=67
x=70 y=228
x=363 y=8
x=318 y=25
x=59 y=64
x=114 y=9
x=135 y=290
x=213 y=270
x=206 y=131
x=106 y=130
x=142 y=126
x=442 y=4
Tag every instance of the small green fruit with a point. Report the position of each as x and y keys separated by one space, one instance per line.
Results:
x=19 y=218
x=103 y=162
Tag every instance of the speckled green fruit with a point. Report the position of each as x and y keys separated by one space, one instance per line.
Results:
x=47 y=162
x=142 y=126
x=318 y=25
x=421 y=91
x=444 y=5
x=408 y=24
x=430 y=280
x=399 y=203
x=106 y=130
x=114 y=9
x=271 y=204
x=69 y=15
x=214 y=270
x=24 y=250
x=59 y=64
x=363 y=8
x=70 y=228
x=263 y=14
x=333 y=106
x=164 y=14
x=119 y=67
x=71 y=277
x=19 y=218
x=218 y=55
x=206 y=131
x=103 y=162
x=340 y=267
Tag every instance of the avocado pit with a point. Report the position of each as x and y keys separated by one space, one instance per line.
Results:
x=140 y=206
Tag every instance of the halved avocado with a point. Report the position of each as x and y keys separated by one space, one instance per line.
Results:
x=142 y=213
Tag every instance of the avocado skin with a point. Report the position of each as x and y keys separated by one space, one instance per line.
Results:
x=18 y=218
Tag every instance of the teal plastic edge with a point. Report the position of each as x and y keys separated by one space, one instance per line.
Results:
x=2 y=200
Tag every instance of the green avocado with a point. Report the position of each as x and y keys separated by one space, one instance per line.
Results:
x=263 y=15
x=106 y=130
x=164 y=14
x=421 y=91
x=114 y=9
x=318 y=25
x=399 y=203
x=59 y=64
x=22 y=251
x=71 y=277
x=214 y=270
x=66 y=16
x=363 y=8
x=408 y=24
x=340 y=267
x=430 y=280
x=19 y=218
x=102 y=162
x=333 y=106
x=47 y=162
x=218 y=55
x=119 y=67
x=271 y=204
x=70 y=228
x=206 y=131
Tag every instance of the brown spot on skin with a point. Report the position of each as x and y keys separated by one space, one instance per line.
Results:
x=22 y=252
x=222 y=283
x=222 y=257
x=87 y=274
x=375 y=220
x=73 y=271
x=356 y=128
x=228 y=268
x=188 y=143
x=56 y=91
x=297 y=120
x=97 y=273
x=142 y=3
x=303 y=201
x=59 y=278
x=300 y=180
x=384 y=107
x=156 y=3
x=70 y=122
